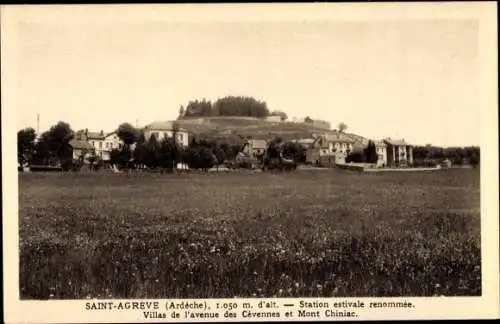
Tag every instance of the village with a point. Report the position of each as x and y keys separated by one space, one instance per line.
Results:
x=260 y=158
x=324 y=148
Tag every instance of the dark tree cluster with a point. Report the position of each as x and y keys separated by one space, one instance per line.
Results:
x=423 y=155
x=227 y=106
x=53 y=147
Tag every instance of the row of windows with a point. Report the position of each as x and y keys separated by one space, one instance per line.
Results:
x=107 y=145
x=344 y=145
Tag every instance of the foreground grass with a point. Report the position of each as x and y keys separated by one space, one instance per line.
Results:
x=316 y=233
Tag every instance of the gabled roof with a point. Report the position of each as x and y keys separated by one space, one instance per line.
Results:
x=109 y=134
x=80 y=145
x=167 y=125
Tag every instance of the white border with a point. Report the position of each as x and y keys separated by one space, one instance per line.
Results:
x=486 y=306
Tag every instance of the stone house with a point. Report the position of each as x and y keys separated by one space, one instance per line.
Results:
x=399 y=153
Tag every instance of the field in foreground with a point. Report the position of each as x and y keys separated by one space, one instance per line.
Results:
x=309 y=233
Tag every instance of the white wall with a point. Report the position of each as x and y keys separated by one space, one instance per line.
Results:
x=182 y=137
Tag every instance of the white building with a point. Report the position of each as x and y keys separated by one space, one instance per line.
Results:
x=381 y=149
x=166 y=129
x=110 y=142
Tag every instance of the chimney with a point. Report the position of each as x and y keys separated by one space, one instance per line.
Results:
x=102 y=132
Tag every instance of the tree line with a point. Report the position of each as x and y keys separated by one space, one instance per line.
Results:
x=53 y=148
x=424 y=156
x=227 y=106
x=430 y=154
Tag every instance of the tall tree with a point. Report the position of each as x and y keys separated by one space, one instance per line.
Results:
x=370 y=152
x=140 y=151
x=282 y=114
x=182 y=112
x=220 y=155
x=56 y=144
x=127 y=133
x=25 y=145
x=152 y=156
x=342 y=127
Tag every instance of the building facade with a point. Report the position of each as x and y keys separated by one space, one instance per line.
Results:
x=96 y=140
x=329 y=149
x=110 y=142
x=254 y=147
x=399 y=153
x=381 y=149
x=167 y=129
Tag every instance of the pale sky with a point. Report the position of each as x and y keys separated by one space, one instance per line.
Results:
x=410 y=78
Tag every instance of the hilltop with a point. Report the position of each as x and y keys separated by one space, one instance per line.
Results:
x=237 y=128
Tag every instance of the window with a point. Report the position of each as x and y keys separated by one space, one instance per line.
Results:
x=181 y=137
x=100 y=145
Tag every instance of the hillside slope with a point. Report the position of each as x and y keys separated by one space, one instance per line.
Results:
x=238 y=128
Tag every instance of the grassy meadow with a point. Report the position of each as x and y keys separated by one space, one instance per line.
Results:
x=302 y=234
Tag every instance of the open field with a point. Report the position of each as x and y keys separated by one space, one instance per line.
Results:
x=324 y=233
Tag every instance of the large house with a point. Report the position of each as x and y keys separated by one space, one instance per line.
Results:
x=96 y=140
x=399 y=153
x=102 y=144
x=329 y=149
x=167 y=129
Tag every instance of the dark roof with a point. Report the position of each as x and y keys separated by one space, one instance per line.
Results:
x=81 y=145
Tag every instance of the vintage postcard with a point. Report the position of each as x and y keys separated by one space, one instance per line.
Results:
x=259 y=162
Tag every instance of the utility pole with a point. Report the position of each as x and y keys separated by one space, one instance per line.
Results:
x=37 y=123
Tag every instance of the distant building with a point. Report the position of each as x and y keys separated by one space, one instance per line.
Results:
x=320 y=124
x=80 y=148
x=164 y=129
x=329 y=149
x=274 y=119
x=96 y=139
x=110 y=142
x=381 y=149
x=254 y=147
x=399 y=153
